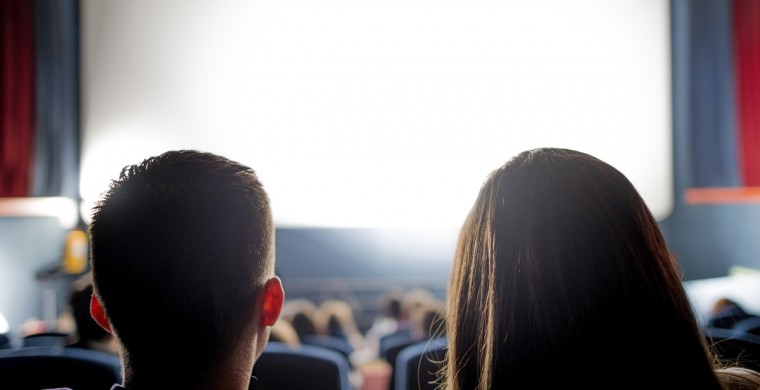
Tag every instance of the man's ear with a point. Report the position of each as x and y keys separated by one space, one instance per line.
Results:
x=98 y=314
x=272 y=298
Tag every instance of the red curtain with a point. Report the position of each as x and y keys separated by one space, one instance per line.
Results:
x=16 y=95
x=746 y=15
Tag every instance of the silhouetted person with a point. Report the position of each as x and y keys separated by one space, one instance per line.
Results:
x=561 y=277
x=182 y=252
x=300 y=313
x=726 y=313
x=386 y=323
x=335 y=318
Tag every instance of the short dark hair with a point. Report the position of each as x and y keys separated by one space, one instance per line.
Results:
x=182 y=241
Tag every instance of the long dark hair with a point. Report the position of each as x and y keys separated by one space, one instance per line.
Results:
x=561 y=276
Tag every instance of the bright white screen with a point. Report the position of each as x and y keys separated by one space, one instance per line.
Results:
x=359 y=113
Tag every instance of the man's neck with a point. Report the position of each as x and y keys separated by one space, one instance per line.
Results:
x=173 y=374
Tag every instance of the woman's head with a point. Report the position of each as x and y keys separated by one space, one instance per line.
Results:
x=560 y=267
x=300 y=313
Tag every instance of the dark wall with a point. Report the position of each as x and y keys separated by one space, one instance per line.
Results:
x=708 y=240
x=417 y=254
x=358 y=265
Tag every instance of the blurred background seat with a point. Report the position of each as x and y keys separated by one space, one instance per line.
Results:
x=390 y=340
x=393 y=347
x=749 y=325
x=305 y=367
x=335 y=343
x=51 y=367
x=45 y=339
x=417 y=366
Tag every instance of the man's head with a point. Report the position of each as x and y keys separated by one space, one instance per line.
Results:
x=183 y=261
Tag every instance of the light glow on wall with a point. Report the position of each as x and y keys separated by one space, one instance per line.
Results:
x=62 y=208
x=359 y=113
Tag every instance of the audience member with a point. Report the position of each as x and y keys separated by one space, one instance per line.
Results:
x=335 y=317
x=412 y=302
x=432 y=320
x=562 y=278
x=300 y=313
x=182 y=252
x=283 y=332
x=726 y=313
x=385 y=324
